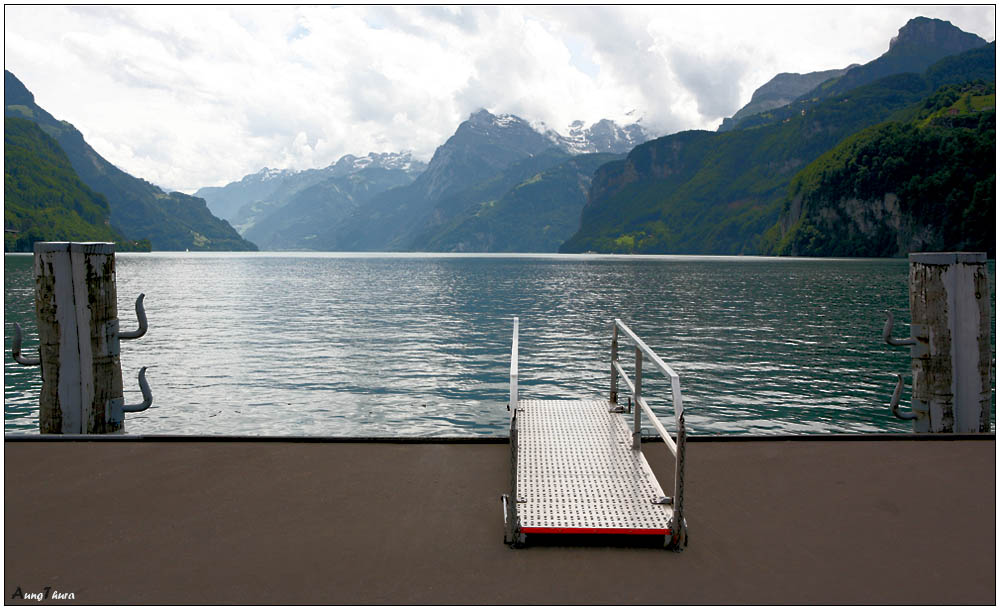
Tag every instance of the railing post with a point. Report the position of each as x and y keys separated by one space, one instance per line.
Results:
x=513 y=372
x=637 y=418
x=614 y=358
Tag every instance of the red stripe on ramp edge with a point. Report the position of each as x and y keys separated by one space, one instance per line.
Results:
x=596 y=530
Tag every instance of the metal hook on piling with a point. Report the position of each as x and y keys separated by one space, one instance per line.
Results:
x=887 y=331
x=118 y=408
x=147 y=395
x=15 y=350
x=140 y=313
x=894 y=403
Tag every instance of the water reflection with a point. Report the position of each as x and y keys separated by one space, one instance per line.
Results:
x=322 y=344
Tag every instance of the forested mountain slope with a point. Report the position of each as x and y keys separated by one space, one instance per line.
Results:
x=926 y=183
x=717 y=193
x=139 y=209
x=44 y=199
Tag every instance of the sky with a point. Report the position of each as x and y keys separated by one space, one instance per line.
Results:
x=189 y=96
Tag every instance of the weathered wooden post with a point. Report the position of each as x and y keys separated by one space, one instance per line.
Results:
x=949 y=343
x=76 y=303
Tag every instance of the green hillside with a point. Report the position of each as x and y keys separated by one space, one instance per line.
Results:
x=924 y=184
x=139 y=209
x=44 y=199
x=717 y=193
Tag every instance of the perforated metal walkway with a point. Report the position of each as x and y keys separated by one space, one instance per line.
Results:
x=576 y=472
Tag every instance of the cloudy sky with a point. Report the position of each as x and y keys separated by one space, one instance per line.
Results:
x=200 y=96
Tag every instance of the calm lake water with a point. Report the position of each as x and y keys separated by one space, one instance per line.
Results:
x=419 y=345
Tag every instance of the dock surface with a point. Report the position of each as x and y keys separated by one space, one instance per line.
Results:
x=770 y=522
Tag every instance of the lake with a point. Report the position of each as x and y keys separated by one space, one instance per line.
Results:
x=359 y=344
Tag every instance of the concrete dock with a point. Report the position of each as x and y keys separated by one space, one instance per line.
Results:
x=257 y=522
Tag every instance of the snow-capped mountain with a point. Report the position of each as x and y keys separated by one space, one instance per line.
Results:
x=269 y=188
x=489 y=156
x=483 y=145
x=402 y=161
x=225 y=201
x=282 y=208
x=604 y=136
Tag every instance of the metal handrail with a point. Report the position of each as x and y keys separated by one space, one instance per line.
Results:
x=513 y=372
x=671 y=444
x=617 y=370
x=675 y=381
x=618 y=367
x=675 y=446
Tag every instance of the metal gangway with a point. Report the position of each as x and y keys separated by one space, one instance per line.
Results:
x=577 y=466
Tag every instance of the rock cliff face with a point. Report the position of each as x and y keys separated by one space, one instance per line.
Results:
x=882 y=223
x=922 y=35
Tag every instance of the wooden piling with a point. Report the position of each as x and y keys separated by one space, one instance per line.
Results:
x=76 y=303
x=951 y=363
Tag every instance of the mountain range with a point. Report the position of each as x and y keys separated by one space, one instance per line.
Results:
x=457 y=201
x=873 y=159
x=290 y=215
x=919 y=44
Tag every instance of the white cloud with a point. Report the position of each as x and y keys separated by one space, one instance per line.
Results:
x=194 y=96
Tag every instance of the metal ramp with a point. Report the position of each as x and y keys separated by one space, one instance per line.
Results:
x=578 y=467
